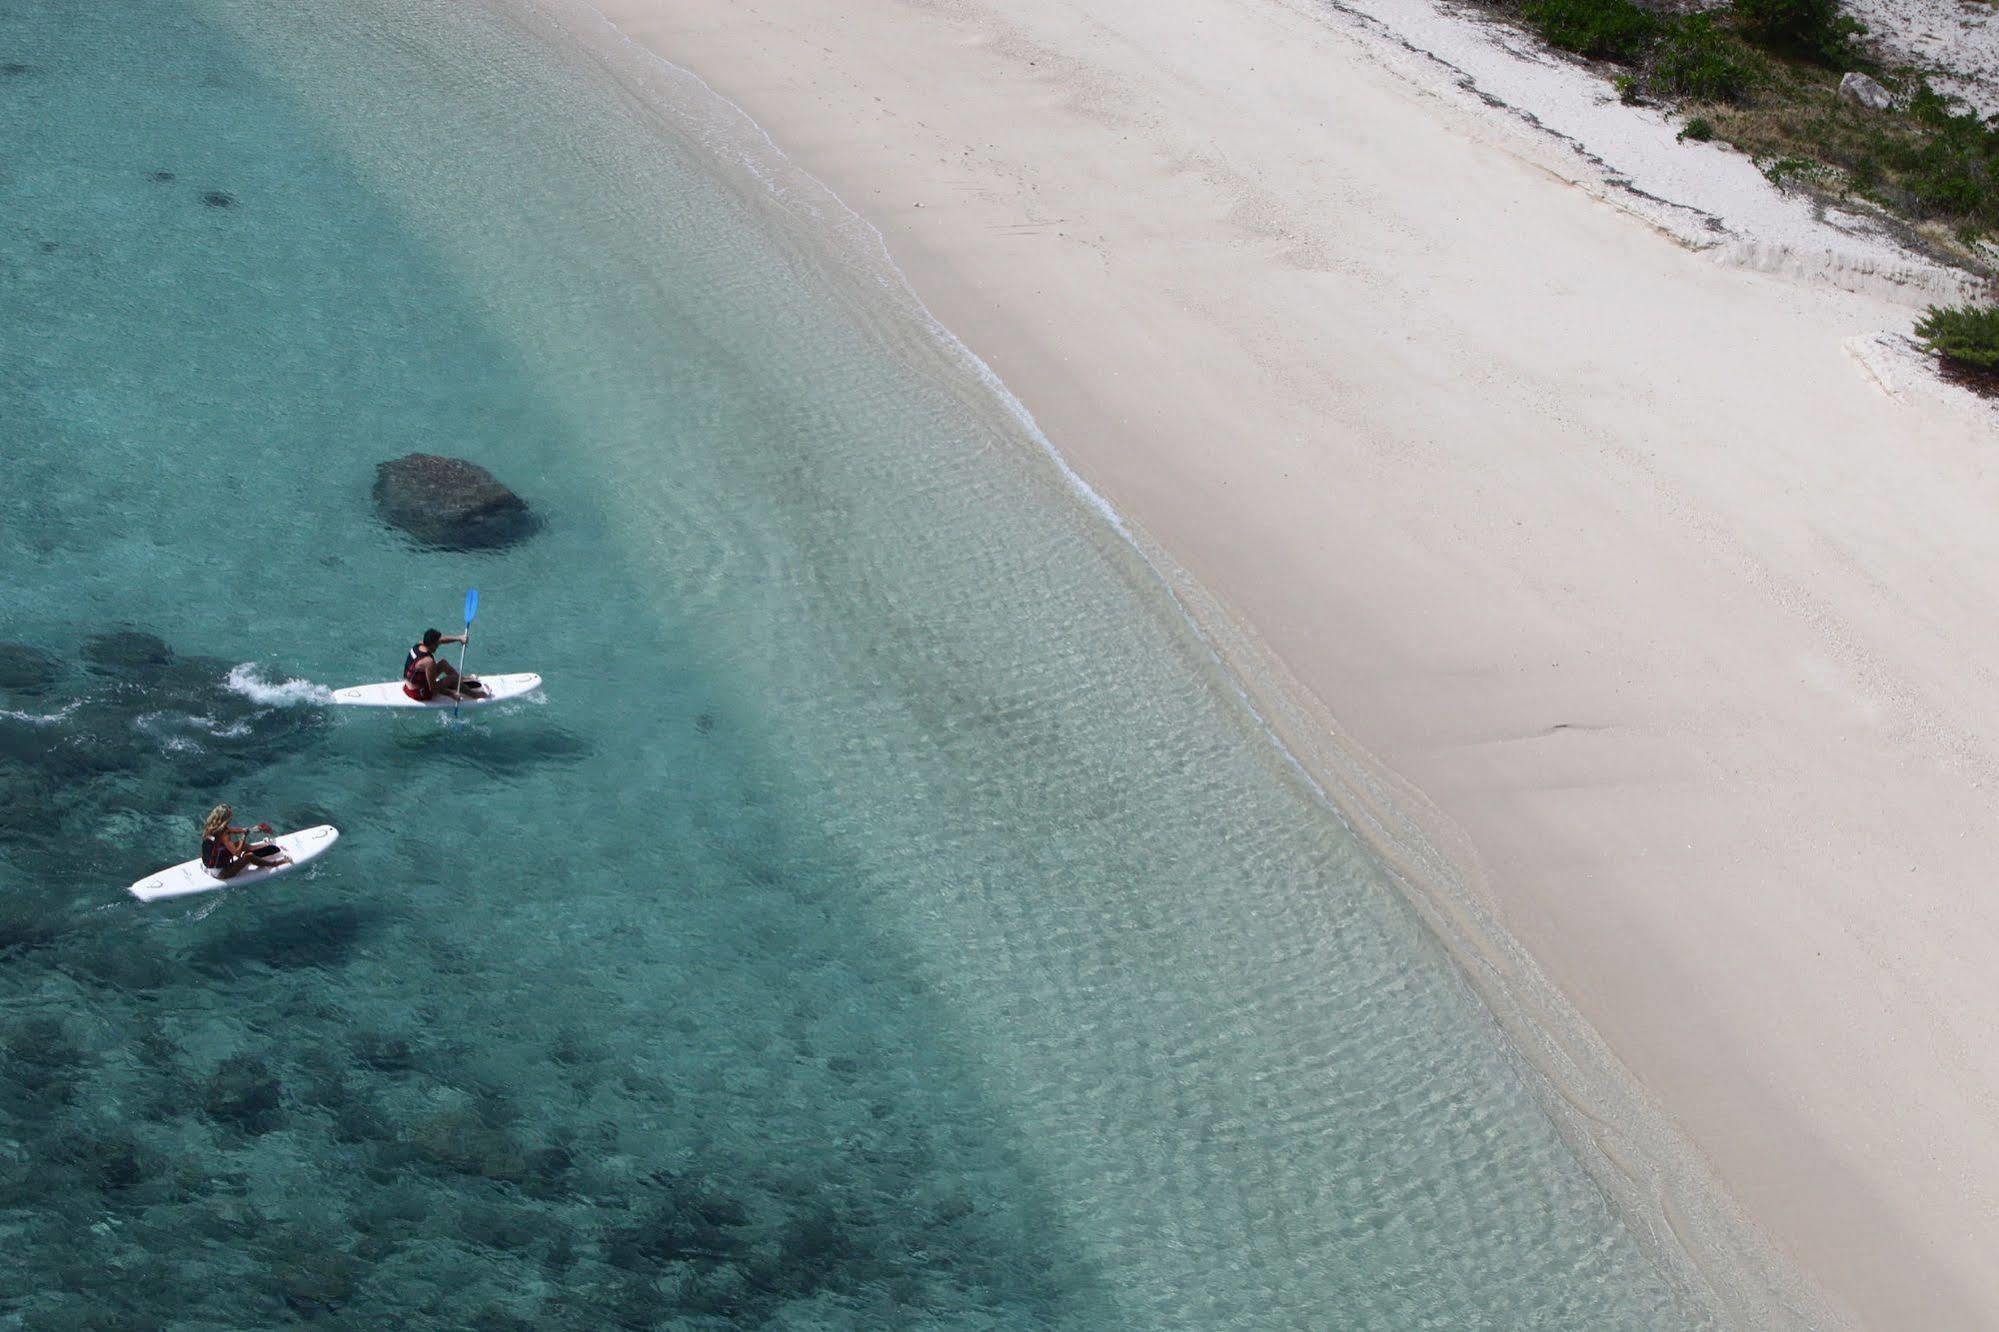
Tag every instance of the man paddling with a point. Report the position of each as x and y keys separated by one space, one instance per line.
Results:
x=427 y=675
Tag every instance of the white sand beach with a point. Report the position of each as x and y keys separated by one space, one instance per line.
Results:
x=1664 y=583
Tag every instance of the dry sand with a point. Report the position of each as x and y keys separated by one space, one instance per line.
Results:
x=1667 y=589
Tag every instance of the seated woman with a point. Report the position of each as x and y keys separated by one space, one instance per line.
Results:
x=226 y=850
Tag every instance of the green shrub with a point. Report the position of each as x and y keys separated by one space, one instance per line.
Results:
x=1698 y=129
x=1963 y=333
x=1697 y=60
x=1603 y=29
x=1814 y=29
x=1953 y=171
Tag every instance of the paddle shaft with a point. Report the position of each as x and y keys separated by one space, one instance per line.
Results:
x=464 y=646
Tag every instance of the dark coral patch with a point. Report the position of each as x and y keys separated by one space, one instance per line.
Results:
x=128 y=654
x=244 y=1095
x=14 y=69
x=163 y=176
x=27 y=670
x=217 y=199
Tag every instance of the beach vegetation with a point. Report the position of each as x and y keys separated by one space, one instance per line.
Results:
x=1967 y=335
x=1698 y=60
x=1763 y=76
x=1601 y=29
x=1812 y=29
x=1928 y=160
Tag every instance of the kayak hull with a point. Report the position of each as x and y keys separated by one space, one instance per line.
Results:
x=183 y=880
x=389 y=694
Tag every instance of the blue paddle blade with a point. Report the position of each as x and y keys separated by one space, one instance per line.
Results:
x=471 y=603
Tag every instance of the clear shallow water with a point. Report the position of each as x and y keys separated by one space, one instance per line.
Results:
x=891 y=918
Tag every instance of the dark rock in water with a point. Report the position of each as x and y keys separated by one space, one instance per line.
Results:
x=493 y=1319
x=111 y=1164
x=316 y=1280
x=127 y=654
x=694 y=1229
x=27 y=670
x=201 y=679
x=217 y=199
x=458 y=1142
x=450 y=503
x=718 y=1210
x=551 y=1161
x=14 y=69
x=244 y=1095
x=508 y=1229
x=357 y=1121
x=383 y=1053
x=24 y=742
x=163 y=177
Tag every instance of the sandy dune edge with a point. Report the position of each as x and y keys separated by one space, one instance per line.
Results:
x=1658 y=585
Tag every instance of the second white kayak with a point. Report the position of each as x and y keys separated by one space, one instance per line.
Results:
x=389 y=694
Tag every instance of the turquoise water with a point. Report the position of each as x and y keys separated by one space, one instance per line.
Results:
x=891 y=917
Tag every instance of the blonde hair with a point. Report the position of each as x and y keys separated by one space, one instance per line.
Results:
x=217 y=820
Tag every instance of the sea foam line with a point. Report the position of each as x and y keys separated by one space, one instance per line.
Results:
x=40 y=718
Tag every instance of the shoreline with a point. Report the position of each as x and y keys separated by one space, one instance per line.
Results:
x=1660 y=1188
x=790 y=103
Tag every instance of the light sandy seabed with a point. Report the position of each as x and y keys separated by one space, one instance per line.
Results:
x=1667 y=583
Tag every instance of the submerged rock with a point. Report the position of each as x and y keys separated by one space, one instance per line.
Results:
x=27 y=670
x=128 y=654
x=449 y=503
x=384 y=1053
x=244 y=1095
x=108 y=1163
x=314 y=1280
x=458 y=1142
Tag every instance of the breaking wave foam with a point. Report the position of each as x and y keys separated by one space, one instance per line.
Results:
x=39 y=718
x=247 y=679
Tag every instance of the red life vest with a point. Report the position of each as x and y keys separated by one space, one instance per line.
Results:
x=414 y=683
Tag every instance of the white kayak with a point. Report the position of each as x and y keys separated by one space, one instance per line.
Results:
x=389 y=694
x=304 y=847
